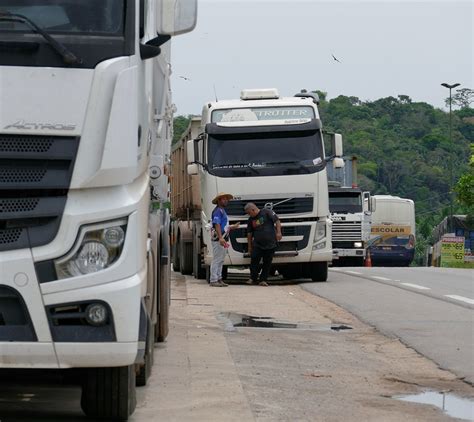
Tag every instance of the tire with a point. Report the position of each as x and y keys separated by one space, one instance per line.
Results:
x=319 y=271
x=291 y=272
x=163 y=291
x=186 y=257
x=109 y=393
x=144 y=370
x=176 y=261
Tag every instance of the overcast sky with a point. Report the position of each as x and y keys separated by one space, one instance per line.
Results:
x=385 y=48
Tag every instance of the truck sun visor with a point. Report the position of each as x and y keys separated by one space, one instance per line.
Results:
x=215 y=129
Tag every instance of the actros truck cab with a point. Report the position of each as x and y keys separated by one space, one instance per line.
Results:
x=351 y=210
x=85 y=119
x=268 y=150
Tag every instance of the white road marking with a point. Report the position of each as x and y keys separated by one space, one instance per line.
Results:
x=381 y=278
x=461 y=298
x=335 y=269
x=353 y=272
x=416 y=286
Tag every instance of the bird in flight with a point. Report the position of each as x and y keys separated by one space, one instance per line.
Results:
x=185 y=78
x=334 y=57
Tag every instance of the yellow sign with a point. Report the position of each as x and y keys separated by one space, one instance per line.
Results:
x=386 y=230
x=452 y=251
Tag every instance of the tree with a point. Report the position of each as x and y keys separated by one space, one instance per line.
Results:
x=463 y=98
x=180 y=124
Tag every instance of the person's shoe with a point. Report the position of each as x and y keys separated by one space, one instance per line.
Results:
x=250 y=282
x=223 y=282
x=263 y=283
x=217 y=284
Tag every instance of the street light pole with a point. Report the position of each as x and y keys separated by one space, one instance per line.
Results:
x=451 y=178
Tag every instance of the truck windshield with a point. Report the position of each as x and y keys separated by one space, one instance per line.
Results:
x=345 y=202
x=104 y=17
x=265 y=154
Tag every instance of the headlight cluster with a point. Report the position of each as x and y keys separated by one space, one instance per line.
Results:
x=358 y=244
x=97 y=248
x=320 y=232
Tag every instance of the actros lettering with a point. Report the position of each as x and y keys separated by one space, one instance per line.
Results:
x=24 y=125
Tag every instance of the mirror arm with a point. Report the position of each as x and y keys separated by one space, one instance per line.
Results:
x=159 y=40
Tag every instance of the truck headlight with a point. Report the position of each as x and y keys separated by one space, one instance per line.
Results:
x=320 y=231
x=97 y=248
x=358 y=245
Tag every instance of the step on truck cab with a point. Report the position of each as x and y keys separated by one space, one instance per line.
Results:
x=269 y=150
x=85 y=119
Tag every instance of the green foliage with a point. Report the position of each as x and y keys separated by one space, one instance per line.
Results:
x=180 y=124
x=463 y=97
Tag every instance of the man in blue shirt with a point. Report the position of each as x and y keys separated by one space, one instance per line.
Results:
x=219 y=236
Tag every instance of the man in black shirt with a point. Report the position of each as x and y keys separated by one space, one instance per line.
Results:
x=263 y=233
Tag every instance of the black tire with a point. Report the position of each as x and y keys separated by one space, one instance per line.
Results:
x=186 y=257
x=319 y=271
x=109 y=393
x=291 y=272
x=145 y=369
x=176 y=261
x=163 y=291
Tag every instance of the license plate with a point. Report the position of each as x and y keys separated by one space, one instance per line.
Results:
x=387 y=248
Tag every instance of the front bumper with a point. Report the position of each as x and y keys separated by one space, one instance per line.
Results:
x=350 y=253
x=123 y=298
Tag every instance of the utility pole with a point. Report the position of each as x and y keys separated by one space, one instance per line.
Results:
x=451 y=178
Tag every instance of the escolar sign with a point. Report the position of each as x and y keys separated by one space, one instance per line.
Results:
x=396 y=230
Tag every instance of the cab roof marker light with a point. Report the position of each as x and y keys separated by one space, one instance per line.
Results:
x=260 y=94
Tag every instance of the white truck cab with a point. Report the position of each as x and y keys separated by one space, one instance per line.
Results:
x=269 y=150
x=85 y=107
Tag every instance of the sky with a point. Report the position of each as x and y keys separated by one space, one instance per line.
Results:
x=385 y=48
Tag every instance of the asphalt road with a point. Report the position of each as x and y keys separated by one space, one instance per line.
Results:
x=429 y=309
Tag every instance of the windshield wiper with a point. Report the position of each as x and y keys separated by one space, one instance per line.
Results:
x=68 y=56
x=297 y=163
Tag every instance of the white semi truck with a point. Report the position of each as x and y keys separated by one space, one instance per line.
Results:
x=351 y=209
x=269 y=150
x=85 y=130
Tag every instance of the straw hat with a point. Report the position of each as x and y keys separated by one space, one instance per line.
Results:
x=220 y=195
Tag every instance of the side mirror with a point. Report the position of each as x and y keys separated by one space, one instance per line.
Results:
x=190 y=153
x=336 y=142
x=175 y=17
x=373 y=203
x=338 y=163
x=193 y=169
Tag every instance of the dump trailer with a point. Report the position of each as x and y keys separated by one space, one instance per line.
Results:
x=265 y=149
x=393 y=231
x=85 y=134
x=186 y=229
x=351 y=210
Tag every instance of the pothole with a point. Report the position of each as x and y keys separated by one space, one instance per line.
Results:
x=233 y=320
x=452 y=405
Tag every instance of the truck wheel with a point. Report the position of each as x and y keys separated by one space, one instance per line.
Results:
x=163 y=291
x=144 y=370
x=109 y=393
x=176 y=262
x=291 y=272
x=186 y=257
x=319 y=271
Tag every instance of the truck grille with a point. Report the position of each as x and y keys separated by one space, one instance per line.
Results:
x=346 y=231
x=283 y=245
x=291 y=206
x=35 y=173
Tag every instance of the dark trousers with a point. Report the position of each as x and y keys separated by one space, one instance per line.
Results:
x=265 y=255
